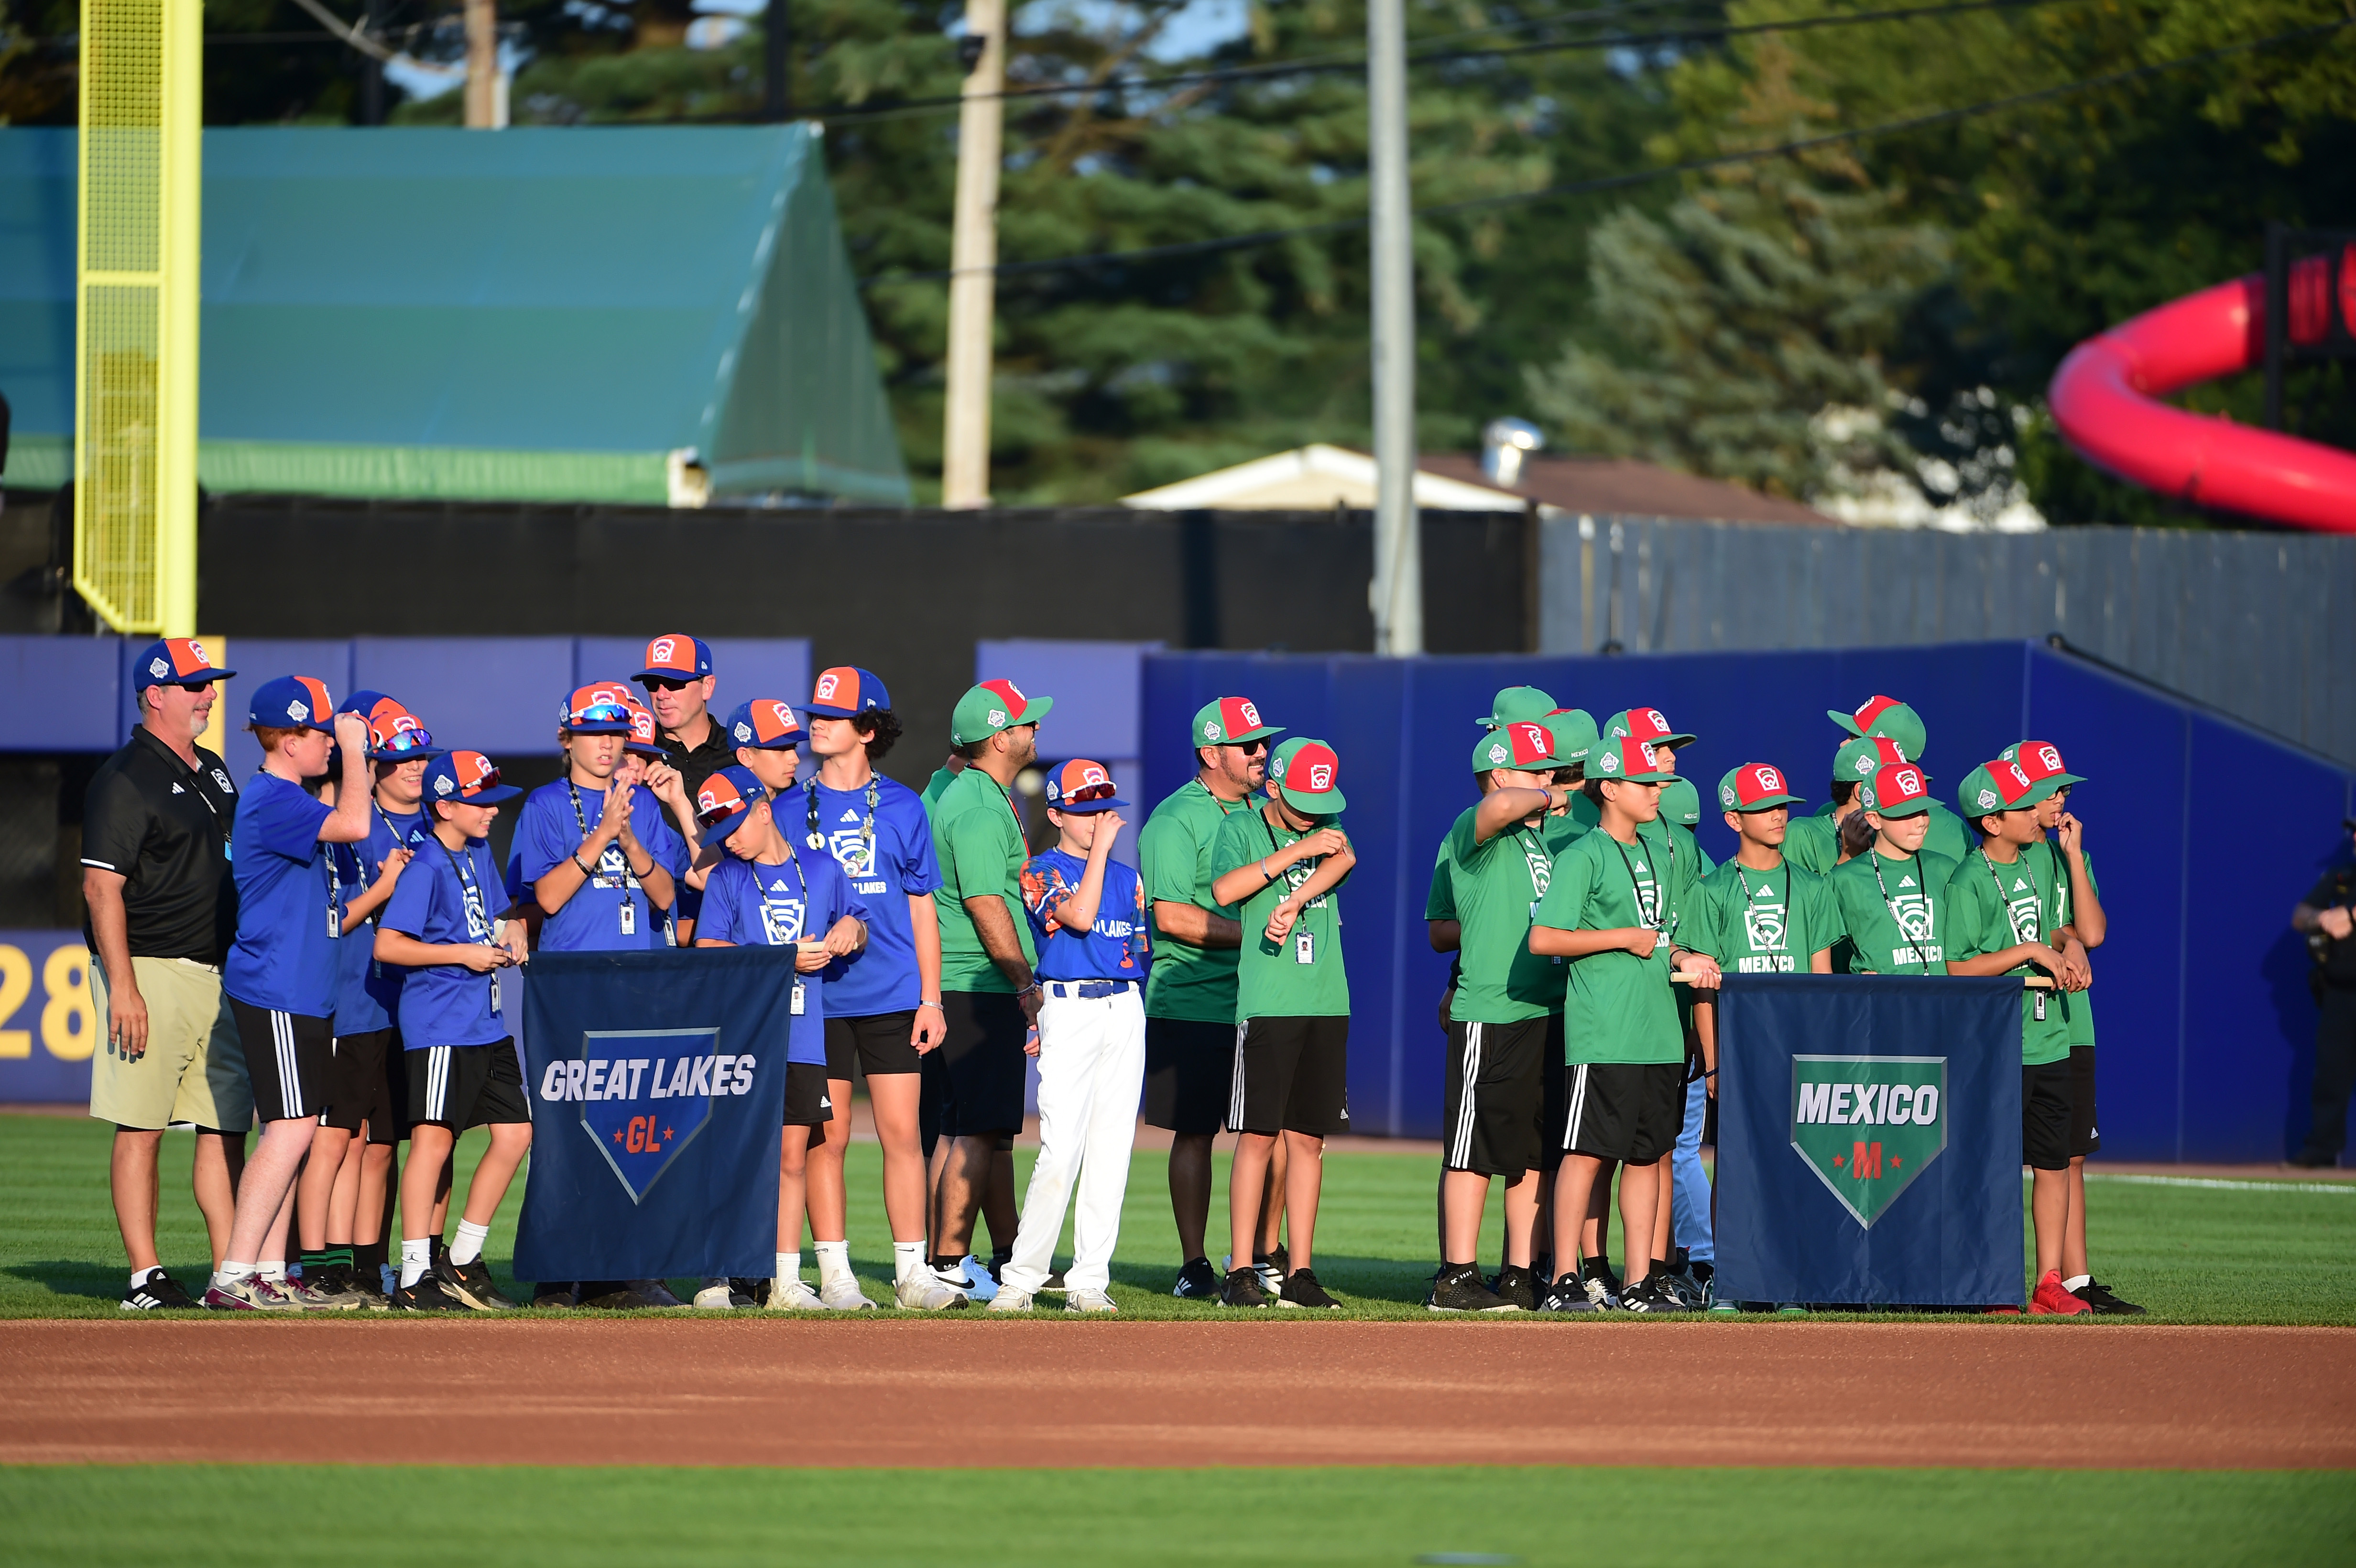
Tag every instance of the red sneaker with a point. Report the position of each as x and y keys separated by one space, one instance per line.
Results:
x=2052 y=1301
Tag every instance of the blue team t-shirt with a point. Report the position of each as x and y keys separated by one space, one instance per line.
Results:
x=886 y=865
x=753 y=905
x=283 y=958
x=1112 y=949
x=368 y=992
x=547 y=835
x=446 y=897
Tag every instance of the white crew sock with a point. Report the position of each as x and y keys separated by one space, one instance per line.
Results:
x=273 y=1268
x=469 y=1244
x=833 y=1262
x=2078 y=1282
x=140 y=1276
x=230 y=1273
x=789 y=1267
x=907 y=1257
x=417 y=1257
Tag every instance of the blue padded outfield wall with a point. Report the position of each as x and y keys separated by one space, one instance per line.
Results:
x=2200 y=1001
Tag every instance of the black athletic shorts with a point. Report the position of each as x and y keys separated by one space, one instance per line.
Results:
x=2085 y=1133
x=807 y=1105
x=876 y=1044
x=358 y=1093
x=980 y=1074
x=1290 y=1075
x=1495 y=1095
x=462 y=1086
x=1190 y=1064
x=388 y=1117
x=2045 y=1116
x=1554 y=1096
x=1627 y=1111
x=290 y=1058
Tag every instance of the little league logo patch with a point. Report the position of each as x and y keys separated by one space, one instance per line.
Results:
x=1763 y=925
x=1251 y=721
x=744 y=731
x=1987 y=799
x=1497 y=756
x=645 y=1094
x=659 y=653
x=158 y=667
x=1210 y=731
x=1726 y=796
x=1868 y=1126
x=998 y=718
x=1321 y=776
x=826 y=684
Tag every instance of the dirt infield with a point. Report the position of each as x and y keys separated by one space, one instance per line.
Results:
x=1287 y=1392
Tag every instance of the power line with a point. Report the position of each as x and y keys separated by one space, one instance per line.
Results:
x=1640 y=176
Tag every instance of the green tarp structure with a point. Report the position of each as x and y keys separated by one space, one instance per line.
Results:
x=541 y=314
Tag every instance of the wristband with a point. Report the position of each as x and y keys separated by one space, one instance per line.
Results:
x=583 y=870
x=1262 y=867
x=926 y=1002
x=1028 y=989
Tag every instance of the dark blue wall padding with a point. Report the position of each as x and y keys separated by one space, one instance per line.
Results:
x=2200 y=1000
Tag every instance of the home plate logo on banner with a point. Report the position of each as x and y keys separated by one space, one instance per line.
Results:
x=644 y=1094
x=1868 y=1126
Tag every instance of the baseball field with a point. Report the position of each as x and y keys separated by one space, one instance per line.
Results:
x=2222 y=1428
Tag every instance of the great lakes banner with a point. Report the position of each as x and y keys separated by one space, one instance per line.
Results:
x=657 y=1085
x=1869 y=1140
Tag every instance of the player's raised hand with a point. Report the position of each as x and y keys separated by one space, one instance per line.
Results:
x=1325 y=841
x=2073 y=834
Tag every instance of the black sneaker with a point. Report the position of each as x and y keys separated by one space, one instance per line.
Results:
x=1198 y=1281
x=341 y=1284
x=1602 y=1286
x=2099 y=1296
x=756 y=1291
x=428 y=1295
x=1301 y=1290
x=1704 y=1274
x=1243 y=1288
x=162 y=1292
x=554 y=1293
x=1568 y=1294
x=1649 y=1295
x=1459 y=1289
x=633 y=1297
x=1517 y=1286
x=1054 y=1282
x=471 y=1282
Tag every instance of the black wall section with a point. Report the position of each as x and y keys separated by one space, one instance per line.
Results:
x=903 y=593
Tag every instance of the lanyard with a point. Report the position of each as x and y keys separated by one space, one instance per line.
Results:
x=479 y=914
x=1748 y=898
x=802 y=888
x=1649 y=921
x=866 y=829
x=1875 y=857
x=612 y=851
x=1541 y=863
x=2005 y=903
x=1305 y=868
x=2061 y=912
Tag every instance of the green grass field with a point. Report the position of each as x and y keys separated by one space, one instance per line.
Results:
x=2285 y=1253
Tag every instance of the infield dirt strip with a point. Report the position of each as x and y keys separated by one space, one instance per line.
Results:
x=765 y=1391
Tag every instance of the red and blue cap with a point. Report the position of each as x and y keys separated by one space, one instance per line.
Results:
x=466 y=778
x=725 y=800
x=675 y=655
x=176 y=661
x=1081 y=788
x=395 y=735
x=602 y=708
x=642 y=731
x=766 y=724
x=845 y=692
x=292 y=702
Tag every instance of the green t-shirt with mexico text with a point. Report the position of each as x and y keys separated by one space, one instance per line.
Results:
x=1994 y=904
x=1497 y=886
x=1899 y=926
x=1763 y=923
x=1173 y=858
x=1617 y=1006
x=1272 y=979
x=977 y=840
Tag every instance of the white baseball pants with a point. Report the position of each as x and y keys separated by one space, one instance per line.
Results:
x=1091 y=1075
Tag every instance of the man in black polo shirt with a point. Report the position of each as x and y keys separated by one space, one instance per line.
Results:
x=678 y=682
x=161 y=912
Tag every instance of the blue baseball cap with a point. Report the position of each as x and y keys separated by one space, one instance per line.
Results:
x=723 y=801
x=176 y=661
x=292 y=702
x=675 y=655
x=466 y=778
x=845 y=692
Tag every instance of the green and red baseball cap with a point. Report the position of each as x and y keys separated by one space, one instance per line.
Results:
x=723 y=801
x=1082 y=787
x=766 y=724
x=1756 y=786
x=292 y=702
x=1574 y=733
x=1308 y=774
x=2041 y=760
x=2003 y=785
x=1229 y=722
x=992 y=706
x=466 y=778
x=1524 y=744
x=1885 y=716
x=1896 y=789
x=1626 y=760
x=1516 y=704
x=1857 y=760
x=176 y=661
x=599 y=709
x=846 y=691
x=1645 y=724
x=675 y=655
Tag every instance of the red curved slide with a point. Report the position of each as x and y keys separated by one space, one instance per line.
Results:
x=2104 y=399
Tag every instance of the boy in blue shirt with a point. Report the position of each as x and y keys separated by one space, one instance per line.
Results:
x=445 y=924
x=767 y=892
x=595 y=854
x=1088 y=919
x=280 y=976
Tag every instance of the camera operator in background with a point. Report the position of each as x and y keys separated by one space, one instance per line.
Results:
x=2324 y=917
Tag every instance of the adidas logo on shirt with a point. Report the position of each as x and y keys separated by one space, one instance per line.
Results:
x=177 y=790
x=848 y=815
x=1905 y=882
x=2019 y=886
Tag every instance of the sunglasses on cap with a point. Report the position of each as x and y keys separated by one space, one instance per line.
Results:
x=1087 y=793
x=603 y=714
x=401 y=741
x=489 y=778
x=712 y=815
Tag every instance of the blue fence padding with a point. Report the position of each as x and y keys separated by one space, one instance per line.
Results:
x=498 y=696
x=258 y=660
x=1096 y=687
x=2200 y=1000
x=64 y=686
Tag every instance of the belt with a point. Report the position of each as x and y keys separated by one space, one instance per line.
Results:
x=1089 y=991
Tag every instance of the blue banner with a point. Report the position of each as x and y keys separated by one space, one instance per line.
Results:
x=1869 y=1140
x=657 y=1082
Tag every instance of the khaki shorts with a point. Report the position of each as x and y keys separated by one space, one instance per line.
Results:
x=193 y=1071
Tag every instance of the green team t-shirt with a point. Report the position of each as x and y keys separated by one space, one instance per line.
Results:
x=1994 y=904
x=1174 y=858
x=2077 y=1007
x=1439 y=901
x=1275 y=980
x=1763 y=923
x=977 y=840
x=1905 y=933
x=938 y=786
x=1497 y=885
x=1813 y=843
x=1617 y=1006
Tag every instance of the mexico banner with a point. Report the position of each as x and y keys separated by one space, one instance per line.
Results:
x=1869 y=1140
x=657 y=1085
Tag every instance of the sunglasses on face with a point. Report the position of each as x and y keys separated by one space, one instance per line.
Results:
x=401 y=741
x=1248 y=748
x=661 y=684
x=1088 y=792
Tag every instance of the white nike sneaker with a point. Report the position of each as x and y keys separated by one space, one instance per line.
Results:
x=979 y=1282
x=716 y=1296
x=843 y=1294
x=1089 y=1301
x=1010 y=1300
x=924 y=1291
x=792 y=1295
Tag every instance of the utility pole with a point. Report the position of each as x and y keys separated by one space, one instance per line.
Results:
x=371 y=68
x=973 y=260
x=1397 y=591
x=486 y=90
x=776 y=60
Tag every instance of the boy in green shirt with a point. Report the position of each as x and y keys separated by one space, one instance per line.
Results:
x=2005 y=912
x=1893 y=898
x=1279 y=867
x=1813 y=843
x=1606 y=910
x=1885 y=716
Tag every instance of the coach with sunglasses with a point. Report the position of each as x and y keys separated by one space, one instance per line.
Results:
x=678 y=682
x=1190 y=992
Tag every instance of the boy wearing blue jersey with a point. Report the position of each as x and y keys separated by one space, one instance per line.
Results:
x=596 y=854
x=445 y=926
x=765 y=892
x=281 y=973
x=1088 y=919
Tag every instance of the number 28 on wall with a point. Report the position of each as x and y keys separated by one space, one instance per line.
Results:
x=68 y=1028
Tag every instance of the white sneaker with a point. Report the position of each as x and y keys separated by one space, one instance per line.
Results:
x=1009 y=1299
x=843 y=1294
x=978 y=1281
x=1089 y=1301
x=924 y=1291
x=716 y=1296
x=790 y=1295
